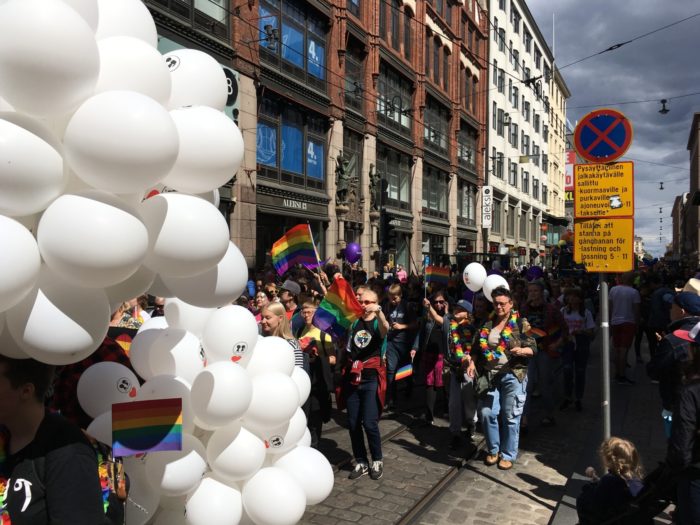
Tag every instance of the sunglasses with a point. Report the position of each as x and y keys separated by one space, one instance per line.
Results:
x=439 y=302
x=368 y=302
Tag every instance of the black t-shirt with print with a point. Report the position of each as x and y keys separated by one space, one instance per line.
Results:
x=53 y=480
x=366 y=342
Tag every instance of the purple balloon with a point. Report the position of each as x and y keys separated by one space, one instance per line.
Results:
x=353 y=252
x=534 y=273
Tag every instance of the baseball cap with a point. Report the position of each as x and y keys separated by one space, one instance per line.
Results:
x=689 y=301
x=464 y=305
x=692 y=335
x=291 y=287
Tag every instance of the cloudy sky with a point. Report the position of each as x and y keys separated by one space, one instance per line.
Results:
x=665 y=64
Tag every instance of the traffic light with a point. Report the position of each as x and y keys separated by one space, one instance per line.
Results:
x=387 y=233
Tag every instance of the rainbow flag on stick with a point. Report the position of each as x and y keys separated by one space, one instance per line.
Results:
x=403 y=372
x=146 y=426
x=437 y=274
x=338 y=310
x=294 y=247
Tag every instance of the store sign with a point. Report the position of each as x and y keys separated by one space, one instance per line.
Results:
x=486 y=206
x=522 y=250
x=295 y=205
x=569 y=171
x=493 y=247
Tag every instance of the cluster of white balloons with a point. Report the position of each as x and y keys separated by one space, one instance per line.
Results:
x=92 y=120
x=475 y=278
x=245 y=438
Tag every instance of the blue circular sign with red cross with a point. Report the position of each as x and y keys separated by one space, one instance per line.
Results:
x=603 y=135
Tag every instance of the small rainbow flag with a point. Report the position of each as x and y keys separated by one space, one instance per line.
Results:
x=294 y=247
x=536 y=332
x=437 y=274
x=403 y=372
x=338 y=310
x=146 y=426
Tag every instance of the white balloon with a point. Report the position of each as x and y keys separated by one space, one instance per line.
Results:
x=92 y=239
x=143 y=499
x=221 y=393
x=48 y=63
x=31 y=165
x=86 y=9
x=274 y=485
x=218 y=286
x=169 y=387
x=121 y=141
x=133 y=286
x=303 y=381
x=235 y=453
x=103 y=384
x=159 y=289
x=211 y=150
x=19 y=262
x=154 y=323
x=284 y=438
x=474 y=276
x=275 y=399
x=129 y=63
x=214 y=503
x=271 y=354
x=230 y=335
x=180 y=314
x=491 y=283
x=213 y=196
x=175 y=224
x=174 y=473
x=140 y=351
x=58 y=323
x=126 y=18
x=198 y=80
x=176 y=352
x=311 y=470
x=101 y=428
x=8 y=346
x=305 y=441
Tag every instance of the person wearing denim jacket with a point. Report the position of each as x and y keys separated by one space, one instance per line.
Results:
x=502 y=350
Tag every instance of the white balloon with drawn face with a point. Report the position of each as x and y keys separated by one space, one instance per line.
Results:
x=283 y=438
x=235 y=453
x=130 y=64
x=49 y=63
x=230 y=335
x=19 y=262
x=126 y=18
x=175 y=473
x=221 y=393
x=211 y=150
x=175 y=223
x=121 y=141
x=59 y=323
x=274 y=484
x=474 y=276
x=197 y=80
x=218 y=286
x=93 y=239
x=104 y=384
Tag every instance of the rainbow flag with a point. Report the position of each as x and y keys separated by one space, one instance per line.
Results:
x=294 y=247
x=146 y=426
x=338 y=310
x=536 y=332
x=437 y=274
x=404 y=372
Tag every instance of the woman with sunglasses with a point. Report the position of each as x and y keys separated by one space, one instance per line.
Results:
x=431 y=342
x=503 y=350
x=261 y=301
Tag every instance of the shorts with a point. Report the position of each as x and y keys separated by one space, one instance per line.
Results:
x=623 y=334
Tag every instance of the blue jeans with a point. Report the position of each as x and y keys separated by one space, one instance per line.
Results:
x=575 y=359
x=688 y=509
x=541 y=370
x=507 y=400
x=363 y=412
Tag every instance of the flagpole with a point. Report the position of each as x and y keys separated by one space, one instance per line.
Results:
x=318 y=259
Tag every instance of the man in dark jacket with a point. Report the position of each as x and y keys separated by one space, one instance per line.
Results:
x=666 y=365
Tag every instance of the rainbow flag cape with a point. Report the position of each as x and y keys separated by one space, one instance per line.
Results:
x=437 y=274
x=294 y=247
x=146 y=426
x=338 y=310
x=404 y=372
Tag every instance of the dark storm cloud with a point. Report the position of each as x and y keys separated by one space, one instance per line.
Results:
x=662 y=65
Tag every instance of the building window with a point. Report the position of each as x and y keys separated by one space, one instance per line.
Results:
x=436 y=60
x=446 y=69
x=523 y=226
x=525 y=144
x=303 y=41
x=354 y=7
x=437 y=127
x=466 y=147
x=466 y=89
x=545 y=163
x=545 y=132
x=495 y=72
x=536 y=154
x=407 y=34
x=536 y=188
x=510 y=221
x=545 y=196
x=466 y=205
x=496 y=219
x=291 y=144
x=538 y=58
x=502 y=5
x=536 y=122
x=499 y=165
x=501 y=81
x=382 y=19
x=470 y=38
x=494 y=115
x=435 y=190
x=475 y=94
x=526 y=110
x=395 y=34
x=525 y=185
x=513 y=173
x=394 y=101
x=499 y=123
x=534 y=223
x=502 y=40
x=495 y=30
x=354 y=69
x=515 y=17
x=516 y=60
x=208 y=16
x=527 y=40
x=513 y=134
x=547 y=73
x=395 y=168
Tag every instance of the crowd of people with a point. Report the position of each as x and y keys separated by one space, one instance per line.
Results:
x=483 y=359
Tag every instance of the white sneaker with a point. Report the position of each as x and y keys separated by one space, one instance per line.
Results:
x=361 y=469
x=377 y=470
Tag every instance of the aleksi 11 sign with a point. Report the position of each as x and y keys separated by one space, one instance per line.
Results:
x=486 y=206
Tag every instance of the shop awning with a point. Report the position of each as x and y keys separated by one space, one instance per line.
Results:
x=555 y=221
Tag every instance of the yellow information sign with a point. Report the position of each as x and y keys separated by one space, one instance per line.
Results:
x=604 y=245
x=604 y=190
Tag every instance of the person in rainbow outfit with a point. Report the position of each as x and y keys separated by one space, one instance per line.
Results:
x=503 y=350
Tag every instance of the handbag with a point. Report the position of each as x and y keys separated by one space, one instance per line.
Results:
x=482 y=383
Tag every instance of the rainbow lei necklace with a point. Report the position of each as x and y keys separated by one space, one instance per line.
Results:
x=460 y=339
x=506 y=334
x=4 y=516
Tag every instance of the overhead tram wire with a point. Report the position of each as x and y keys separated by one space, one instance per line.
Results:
x=656 y=100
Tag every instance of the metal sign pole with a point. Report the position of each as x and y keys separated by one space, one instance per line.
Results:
x=605 y=354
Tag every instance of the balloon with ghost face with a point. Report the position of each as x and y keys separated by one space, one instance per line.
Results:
x=104 y=384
